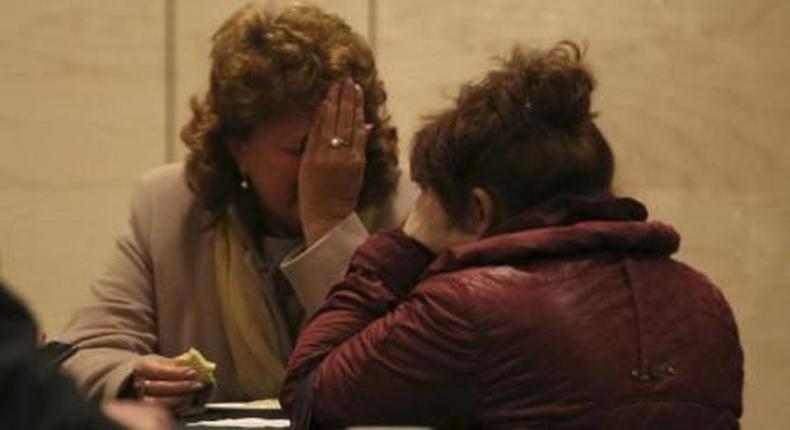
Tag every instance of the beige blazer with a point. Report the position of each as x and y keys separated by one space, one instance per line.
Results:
x=157 y=294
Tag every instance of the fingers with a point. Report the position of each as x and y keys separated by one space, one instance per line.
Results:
x=341 y=115
x=172 y=403
x=361 y=130
x=315 y=138
x=156 y=376
x=160 y=368
x=346 y=111
x=159 y=388
x=329 y=120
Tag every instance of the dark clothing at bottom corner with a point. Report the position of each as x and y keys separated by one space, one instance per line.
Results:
x=33 y=395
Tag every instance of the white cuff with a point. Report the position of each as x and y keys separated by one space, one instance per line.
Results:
x=312 y=272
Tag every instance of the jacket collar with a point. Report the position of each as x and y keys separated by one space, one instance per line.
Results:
x=564 y=226
x=569 y=209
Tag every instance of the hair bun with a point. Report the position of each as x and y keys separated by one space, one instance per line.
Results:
x=557 y=86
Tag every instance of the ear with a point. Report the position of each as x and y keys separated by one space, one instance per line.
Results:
x=481 y=212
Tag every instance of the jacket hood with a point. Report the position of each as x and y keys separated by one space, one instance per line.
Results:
x=565 y=226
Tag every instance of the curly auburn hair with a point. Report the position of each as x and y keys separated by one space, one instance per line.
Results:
x=262 y=60
x=524 y=133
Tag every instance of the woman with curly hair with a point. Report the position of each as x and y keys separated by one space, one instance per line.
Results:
x=292 y=158
x=521 y=292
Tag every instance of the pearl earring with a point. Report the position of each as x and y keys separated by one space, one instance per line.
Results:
x=245 y=185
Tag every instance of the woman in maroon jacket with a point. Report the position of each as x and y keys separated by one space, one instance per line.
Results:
x=520 y=293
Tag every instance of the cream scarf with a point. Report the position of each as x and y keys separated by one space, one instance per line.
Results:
x=249 y=316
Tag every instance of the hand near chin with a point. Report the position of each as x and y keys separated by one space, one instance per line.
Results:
x=333 y=163
x=429 y=224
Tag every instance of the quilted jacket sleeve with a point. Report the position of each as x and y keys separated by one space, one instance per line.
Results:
x=378 y=352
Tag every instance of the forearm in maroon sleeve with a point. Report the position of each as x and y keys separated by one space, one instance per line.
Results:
x=382 y=271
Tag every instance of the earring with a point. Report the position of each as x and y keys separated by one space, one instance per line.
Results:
x=245 y=184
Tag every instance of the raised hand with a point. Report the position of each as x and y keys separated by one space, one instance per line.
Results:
x=429 y=224
x=333 y=164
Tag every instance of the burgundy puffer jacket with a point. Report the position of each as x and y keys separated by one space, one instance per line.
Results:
x=572 y=316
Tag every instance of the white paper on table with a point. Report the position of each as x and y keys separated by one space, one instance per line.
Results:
x=260 y=405
x=243 y=423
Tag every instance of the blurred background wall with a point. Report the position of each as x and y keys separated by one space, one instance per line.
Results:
x=693 y=96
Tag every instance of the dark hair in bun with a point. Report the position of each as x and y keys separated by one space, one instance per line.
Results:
x=554 y=89
x=524 y=132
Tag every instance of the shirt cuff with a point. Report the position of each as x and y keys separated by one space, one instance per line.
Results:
x=312 y=272
x=395 y=258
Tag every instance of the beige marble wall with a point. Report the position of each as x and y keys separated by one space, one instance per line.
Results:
x=693 y=96
x=80 y=116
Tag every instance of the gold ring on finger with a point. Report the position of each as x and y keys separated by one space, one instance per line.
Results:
x=337 y=143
